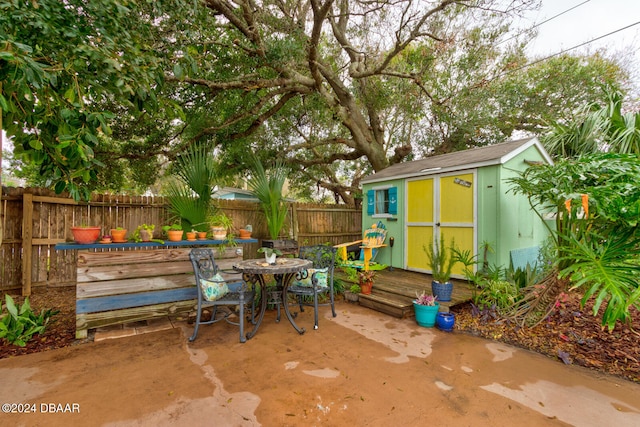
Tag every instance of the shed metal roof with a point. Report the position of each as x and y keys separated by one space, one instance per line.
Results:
x=467 y=159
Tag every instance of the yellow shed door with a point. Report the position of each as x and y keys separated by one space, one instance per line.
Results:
x=442 y=204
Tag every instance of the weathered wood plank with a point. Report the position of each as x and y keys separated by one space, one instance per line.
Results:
x=129 y=271
x=152 y=255
x=85 y=321
x=132 y=286
x=135 y=285
x=27 y=221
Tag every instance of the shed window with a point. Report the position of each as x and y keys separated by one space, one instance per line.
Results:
x=383 y=201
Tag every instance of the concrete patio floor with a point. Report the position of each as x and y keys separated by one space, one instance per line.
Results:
x=361 y=368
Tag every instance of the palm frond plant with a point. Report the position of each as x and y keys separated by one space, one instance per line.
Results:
x=189 y=195
x=595 y=200
x=268 y=189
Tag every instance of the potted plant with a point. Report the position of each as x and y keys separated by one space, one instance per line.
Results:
x=351 y=294
x=118 y=235
x=270 y=254
x=445 y=321
x=85 y=234
x=245 y=233
x=201 y=235
x=174 y=232
x=220 y=225
x=143 y=233
x=267 y=186
x=426 y=309
x=365 y=280
x=191 y=235
x=441 y=261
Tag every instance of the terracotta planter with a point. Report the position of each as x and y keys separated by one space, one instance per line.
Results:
x=175 y=235
x=85 y=235
x=202 y=235
x=118 y=236
x=244 y=234
x=191 y=235
x=366 y=287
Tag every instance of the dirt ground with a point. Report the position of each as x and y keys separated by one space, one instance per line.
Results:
x=571 y=335
x=361 y=368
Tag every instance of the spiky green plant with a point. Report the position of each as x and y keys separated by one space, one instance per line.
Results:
x=189 y=194
x=267 y=187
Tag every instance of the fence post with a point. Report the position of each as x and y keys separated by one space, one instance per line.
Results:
x=27 y=243
x=294 y=221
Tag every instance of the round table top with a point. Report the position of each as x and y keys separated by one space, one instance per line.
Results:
x=282 y=266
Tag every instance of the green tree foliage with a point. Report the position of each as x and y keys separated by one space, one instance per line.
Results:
x=596 y=202
x=338 y=90
x=600 y=127
x=59 y=61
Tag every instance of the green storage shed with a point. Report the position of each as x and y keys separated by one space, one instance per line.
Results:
x=462 y=195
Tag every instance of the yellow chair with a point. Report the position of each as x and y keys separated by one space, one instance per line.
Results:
x=372 y=240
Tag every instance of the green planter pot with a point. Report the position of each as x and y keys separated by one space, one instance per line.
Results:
x=426 y=314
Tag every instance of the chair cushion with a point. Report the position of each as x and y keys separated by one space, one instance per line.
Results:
x=321 y=275
x=214 y=288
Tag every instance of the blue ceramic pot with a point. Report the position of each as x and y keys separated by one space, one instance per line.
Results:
x=426 y=314
x=442 y=290
x=445 y=321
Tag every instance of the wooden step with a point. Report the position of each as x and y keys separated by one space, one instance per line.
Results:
x=387 y=304
x=394 y=291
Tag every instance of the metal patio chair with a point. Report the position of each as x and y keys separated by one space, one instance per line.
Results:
x=317 y=280
x=215 y=291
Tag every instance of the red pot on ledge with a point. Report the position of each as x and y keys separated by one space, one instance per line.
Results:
x=85 y=235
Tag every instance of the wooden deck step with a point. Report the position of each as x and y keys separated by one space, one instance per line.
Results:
x=394 y=291
x=388 y=304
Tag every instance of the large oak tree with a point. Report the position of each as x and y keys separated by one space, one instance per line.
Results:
x=338 y=89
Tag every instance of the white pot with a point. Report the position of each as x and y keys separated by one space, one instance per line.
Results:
x=270 y=259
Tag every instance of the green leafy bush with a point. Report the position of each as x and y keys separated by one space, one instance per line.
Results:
x=17 y=326
x=499 y=293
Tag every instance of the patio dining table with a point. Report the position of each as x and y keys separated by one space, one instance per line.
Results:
x=284 y=270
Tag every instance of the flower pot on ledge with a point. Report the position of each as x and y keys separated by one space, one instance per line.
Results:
x=119 y=235
x=175 y=235
x=85 y=235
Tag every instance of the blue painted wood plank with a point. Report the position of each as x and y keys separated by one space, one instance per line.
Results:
x=117 y=302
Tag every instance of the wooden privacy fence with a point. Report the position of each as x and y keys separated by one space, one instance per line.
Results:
x=34 y=220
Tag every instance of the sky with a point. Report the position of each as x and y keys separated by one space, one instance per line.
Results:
x=588 y=20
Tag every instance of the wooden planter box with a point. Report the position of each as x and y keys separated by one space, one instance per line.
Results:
x=122 y=287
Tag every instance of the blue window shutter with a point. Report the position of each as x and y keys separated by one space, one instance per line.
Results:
x=371 y=202
x=393 y=200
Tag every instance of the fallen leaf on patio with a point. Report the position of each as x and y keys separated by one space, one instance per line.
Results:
x=565 y=357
